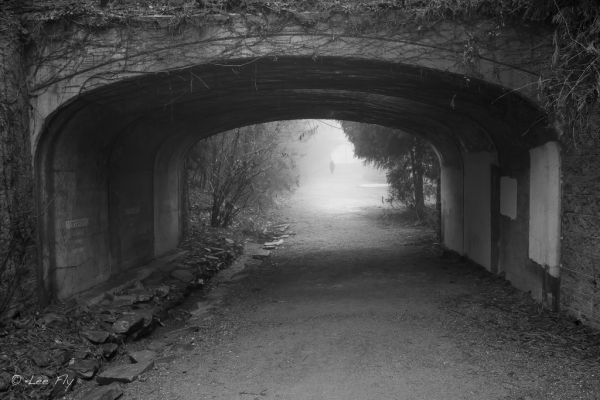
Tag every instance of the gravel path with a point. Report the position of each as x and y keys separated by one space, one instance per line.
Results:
x=357 y=306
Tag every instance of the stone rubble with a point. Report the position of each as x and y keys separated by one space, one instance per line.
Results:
x=72 y=342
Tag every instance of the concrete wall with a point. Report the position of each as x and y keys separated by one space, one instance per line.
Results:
x=168 y=199
x=477 y=207
x=102 y=193
x=513 y=255
x=508 y=197
x=544 y=207
x=131 y=198
x=452 y=207
x=80 y=233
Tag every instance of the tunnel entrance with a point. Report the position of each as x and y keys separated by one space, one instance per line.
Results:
x=109 y=162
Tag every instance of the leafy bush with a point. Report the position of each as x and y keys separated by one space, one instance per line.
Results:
x=243 y=170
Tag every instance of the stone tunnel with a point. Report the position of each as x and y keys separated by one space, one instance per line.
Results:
x=109 y=137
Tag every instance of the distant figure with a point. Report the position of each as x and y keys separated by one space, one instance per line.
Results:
x=331 y=166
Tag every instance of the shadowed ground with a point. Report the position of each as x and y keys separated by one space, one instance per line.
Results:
x=359 y=306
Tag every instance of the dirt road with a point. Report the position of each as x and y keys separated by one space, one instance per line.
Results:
x=358 y=307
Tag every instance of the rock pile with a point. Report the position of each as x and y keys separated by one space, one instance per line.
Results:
x=43 y=355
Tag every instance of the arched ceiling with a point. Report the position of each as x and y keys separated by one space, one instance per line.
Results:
x=452 y=111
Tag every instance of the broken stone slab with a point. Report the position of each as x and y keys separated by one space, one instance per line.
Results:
x=41 y=358
x=124 y=373
x=143 y=297
x=142 y=356
x=147 y=327
x=162 y=290
x=123 y=300
x=95 y=336
x=128 y=323
x=62 y=356
x=109 y=392
x=140 y=295
x=275 y=243
x=183 y=275
x=269 y=247
x=109 y=350
x=261 y=254
x=85 y=369
x=52 y=319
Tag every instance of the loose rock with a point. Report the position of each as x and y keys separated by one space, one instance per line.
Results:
x=142 y=356
x=41 y=358
x=183 y=275
x=109 y=350
x=274 y=243
x=261 y=254
x=95 y=336
x=124 y=373
x=128 y=323
x=85 y=369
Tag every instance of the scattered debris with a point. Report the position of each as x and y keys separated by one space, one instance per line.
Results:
x=71 y=341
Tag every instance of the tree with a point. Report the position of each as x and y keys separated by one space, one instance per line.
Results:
x=411 y=165
x=244 y=168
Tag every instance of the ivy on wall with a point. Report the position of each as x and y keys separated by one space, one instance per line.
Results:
x=569 y=93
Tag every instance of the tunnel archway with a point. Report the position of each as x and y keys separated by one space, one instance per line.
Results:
x=109 y=161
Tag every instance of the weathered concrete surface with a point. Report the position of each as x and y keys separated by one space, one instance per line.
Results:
x=477 y=203
x=452 y=219
x=508 y=197
x=544 y=207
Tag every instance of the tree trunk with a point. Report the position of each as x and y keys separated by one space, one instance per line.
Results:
x=185 y=193
x=417 y=175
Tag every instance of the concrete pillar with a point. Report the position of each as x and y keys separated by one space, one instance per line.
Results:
x=544 y=207
x=477 y=207
x=452 y=207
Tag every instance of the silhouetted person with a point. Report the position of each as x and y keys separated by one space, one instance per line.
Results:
x=331 y=166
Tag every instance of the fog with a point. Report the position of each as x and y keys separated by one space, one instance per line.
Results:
x=332 y=179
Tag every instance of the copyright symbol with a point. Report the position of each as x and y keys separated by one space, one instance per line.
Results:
x=16 y=379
